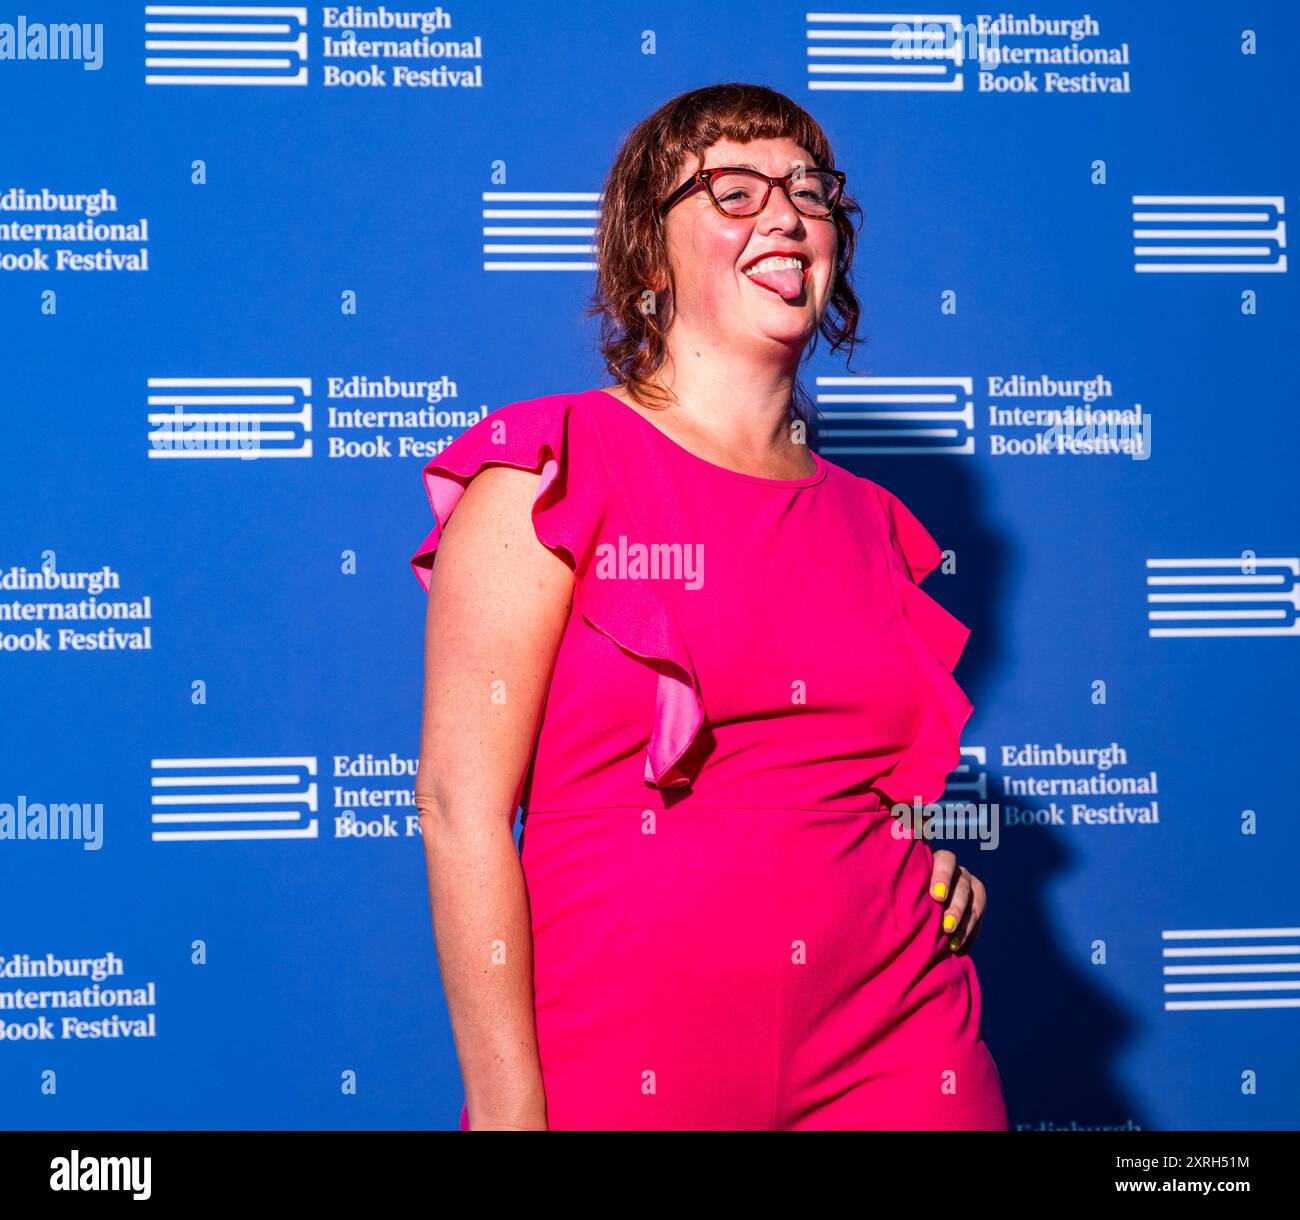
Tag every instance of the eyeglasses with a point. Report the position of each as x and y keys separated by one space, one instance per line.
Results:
x=735 y=191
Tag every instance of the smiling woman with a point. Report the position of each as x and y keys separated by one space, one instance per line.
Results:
x=668 y=182
x=717 y=918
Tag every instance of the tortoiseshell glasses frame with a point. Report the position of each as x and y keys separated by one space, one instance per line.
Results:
x=705 y=177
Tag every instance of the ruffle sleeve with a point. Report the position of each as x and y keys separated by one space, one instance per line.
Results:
x=575 y=509
x=936 y=639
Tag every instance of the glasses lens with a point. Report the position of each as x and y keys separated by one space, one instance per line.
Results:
x=815 y=193
x=739 y=194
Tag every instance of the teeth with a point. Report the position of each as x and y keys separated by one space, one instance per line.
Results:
x=775 y=264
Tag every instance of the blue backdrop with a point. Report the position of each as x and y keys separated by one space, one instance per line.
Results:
x=217 y=662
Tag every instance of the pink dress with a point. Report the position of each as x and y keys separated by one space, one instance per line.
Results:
x=726 y=934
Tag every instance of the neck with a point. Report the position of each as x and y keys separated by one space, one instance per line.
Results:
x=740 y=403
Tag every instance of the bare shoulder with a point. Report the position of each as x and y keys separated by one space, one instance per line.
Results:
x=492 y=531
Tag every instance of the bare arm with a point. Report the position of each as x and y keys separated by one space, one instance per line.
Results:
x=498 y=603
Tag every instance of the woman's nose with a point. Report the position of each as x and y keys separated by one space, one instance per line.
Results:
x=780 y=212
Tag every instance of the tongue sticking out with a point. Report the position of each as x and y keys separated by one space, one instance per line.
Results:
x=787 y=282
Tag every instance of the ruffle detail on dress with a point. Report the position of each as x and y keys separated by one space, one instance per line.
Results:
x=575 y=510
x=937 y=639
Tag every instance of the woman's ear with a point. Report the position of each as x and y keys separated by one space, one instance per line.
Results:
x=664 y=303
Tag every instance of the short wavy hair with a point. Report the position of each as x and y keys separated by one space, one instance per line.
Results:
x=631 y=250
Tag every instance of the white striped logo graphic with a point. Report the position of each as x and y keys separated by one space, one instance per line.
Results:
x=1234 y=968
x=885 y=51
x=539 y=230
x=969 y=780
x=1223 y=597
x=218 y=799
x=895 y=415
x=190 y=417
x=225 y=44
x=1185 y=233
x=965 y=800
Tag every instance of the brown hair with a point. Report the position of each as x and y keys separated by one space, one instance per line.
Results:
x=631 y=252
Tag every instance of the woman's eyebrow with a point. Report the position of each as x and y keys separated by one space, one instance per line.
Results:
x=739 y=165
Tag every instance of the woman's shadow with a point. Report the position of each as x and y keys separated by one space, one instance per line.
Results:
x=1054 y=1031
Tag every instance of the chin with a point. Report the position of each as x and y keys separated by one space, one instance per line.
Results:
x=787 y=336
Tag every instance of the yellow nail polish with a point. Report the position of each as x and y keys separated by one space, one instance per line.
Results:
x=953 y=942
x=949 y=922
x=940 y=890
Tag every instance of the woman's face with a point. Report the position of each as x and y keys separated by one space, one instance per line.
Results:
x=708 y=250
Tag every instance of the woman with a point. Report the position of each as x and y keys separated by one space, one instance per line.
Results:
x=696 y=651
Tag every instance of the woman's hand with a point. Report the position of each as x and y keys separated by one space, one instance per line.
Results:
x=963 y=897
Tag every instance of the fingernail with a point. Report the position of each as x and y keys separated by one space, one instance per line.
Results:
x=940 y=889
x=953 y=942
x=949 y=922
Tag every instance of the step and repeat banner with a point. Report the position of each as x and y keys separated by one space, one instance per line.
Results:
x=260 y=262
